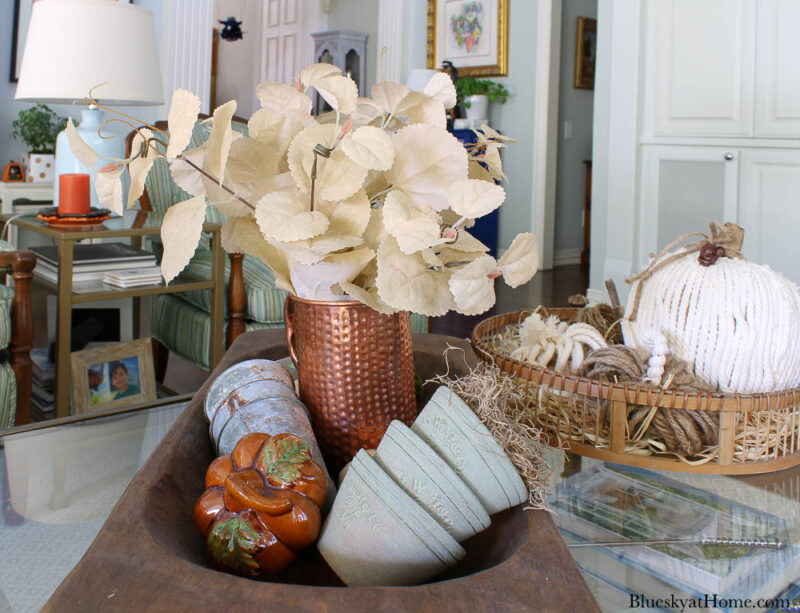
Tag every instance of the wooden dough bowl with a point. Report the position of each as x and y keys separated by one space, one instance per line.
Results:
x=148 y=555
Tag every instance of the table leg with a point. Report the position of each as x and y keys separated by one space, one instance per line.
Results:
x=217 y=301
x=63 y=327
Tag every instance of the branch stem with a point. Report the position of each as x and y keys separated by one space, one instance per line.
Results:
x=224 y=187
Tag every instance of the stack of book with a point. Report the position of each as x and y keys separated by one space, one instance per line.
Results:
x=133 y=277
x=91 y=262
x=43 y=384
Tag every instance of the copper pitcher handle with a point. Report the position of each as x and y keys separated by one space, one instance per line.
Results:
x=289 y=331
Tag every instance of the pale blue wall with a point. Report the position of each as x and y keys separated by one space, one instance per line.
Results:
x=515 y=119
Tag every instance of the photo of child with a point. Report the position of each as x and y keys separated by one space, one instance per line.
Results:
x=114 y=380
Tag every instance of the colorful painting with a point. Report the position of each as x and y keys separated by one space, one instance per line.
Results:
x=472 y=34
x=467 y=25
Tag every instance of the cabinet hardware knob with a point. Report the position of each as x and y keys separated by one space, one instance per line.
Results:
x=729 y=156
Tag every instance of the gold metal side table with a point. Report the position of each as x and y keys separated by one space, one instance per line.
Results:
x=133 y=224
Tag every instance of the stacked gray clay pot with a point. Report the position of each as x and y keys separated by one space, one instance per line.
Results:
x=399 y=517
x=258 y=396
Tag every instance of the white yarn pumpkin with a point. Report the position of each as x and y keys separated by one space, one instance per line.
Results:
x=737 y=322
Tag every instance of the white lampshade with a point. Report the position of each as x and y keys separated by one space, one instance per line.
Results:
x=75 y=45
x=418 y=78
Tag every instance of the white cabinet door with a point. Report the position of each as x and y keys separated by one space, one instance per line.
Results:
x=700 y=67
x=777 y=72
x=769 y=205
x=683 y=190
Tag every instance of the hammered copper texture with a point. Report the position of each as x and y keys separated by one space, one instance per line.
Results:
x=356 y=372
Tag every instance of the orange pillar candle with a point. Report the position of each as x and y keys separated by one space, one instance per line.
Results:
x=73 y=194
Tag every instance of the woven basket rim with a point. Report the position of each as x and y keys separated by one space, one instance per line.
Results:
x=595 y=388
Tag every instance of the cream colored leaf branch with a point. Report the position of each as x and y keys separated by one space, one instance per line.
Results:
x=180 y=234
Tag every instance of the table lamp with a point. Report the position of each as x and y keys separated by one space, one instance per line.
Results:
x=74 y=46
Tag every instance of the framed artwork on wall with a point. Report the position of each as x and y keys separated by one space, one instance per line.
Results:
x=585 y=53
x=113 y=376
x=472 y=34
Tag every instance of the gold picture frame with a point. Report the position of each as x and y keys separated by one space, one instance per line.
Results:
x=445 y=43
x=585 y=53
x=113 y=376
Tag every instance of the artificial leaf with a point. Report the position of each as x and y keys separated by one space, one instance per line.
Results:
x=281 y=96
x=493 y=162
x=317 y=71
x=478 y=171
x=467 y=243
x=330 y=242
x=369 y=147
x=242 y=235
x=180 y=121
x=487 y=134
x=301 y=152
x=365 y=113
x=180 y=234
x=338 y=91
x=250 y=163
x=440 y=86
x=449 y=218
x=375 y=232
x=299 y=252
x=425 y=110
x=221 y=199
x=414 y=227
x=314 y=281
x=140 y=166
x=186 y=176
x=368 y=297
x=388 y=96
x=283 y=459
x=339 y=177
x=234 y=544
x=276 y=128
x=285 y=216
x=219 y=141
x=82 y=152
x=348 y=217
x=521 y=261
x=427 y=161
x=474 y=198
x=472 y=289
x=454 y=257
x=406 y=283
x=108 y=186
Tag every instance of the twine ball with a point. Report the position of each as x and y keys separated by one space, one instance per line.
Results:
x=736 y=322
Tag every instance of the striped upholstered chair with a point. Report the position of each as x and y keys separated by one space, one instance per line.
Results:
x=16 y=334
x=181 y=322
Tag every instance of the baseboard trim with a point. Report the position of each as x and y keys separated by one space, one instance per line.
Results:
x=595 y=296
x=566 y=257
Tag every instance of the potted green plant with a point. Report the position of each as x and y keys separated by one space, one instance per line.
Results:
x=38 y=128
x=476 y=94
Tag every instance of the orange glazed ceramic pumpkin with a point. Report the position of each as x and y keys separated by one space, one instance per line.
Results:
x=262 y=505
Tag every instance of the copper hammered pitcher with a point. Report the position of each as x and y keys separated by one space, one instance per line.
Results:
x=356 y=372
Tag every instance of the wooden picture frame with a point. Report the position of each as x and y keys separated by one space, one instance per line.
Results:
x=585 y=53
x=483 y=51
x=113 y=376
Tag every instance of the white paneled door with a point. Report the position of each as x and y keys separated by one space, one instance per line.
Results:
x=701 y=67
x=770 y=208
x=777 y=73
x=286 y=44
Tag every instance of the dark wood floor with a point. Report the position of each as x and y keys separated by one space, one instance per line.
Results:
x=550 y=288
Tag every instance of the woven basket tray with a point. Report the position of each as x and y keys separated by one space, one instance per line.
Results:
x=758 y=433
